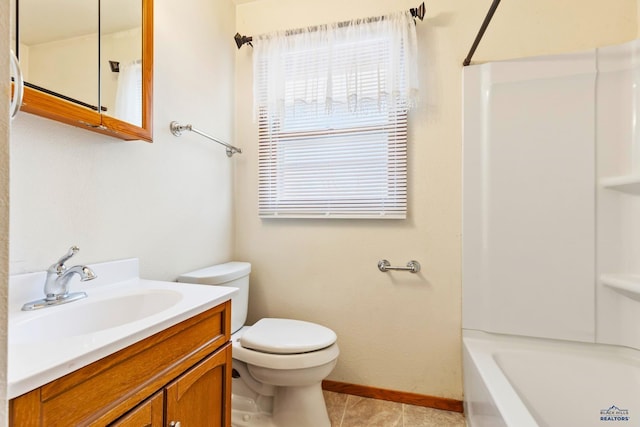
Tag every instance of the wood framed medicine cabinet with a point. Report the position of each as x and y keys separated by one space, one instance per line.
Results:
x=94 y=116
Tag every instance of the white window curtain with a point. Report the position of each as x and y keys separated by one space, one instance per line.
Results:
x=363 y=64
x=331 y=103
x=128 y=105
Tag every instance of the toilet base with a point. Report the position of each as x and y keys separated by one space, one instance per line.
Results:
x=292 y=407
x=302 y=406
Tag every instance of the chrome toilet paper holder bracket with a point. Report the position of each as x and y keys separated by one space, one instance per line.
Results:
x=413 y=266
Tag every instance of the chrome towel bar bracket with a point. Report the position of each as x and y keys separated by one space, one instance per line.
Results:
x=412 y=266
x=177 y=129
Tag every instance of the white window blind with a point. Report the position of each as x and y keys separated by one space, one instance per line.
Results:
x=333 y=124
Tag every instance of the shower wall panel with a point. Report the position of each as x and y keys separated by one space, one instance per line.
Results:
x=529 y=199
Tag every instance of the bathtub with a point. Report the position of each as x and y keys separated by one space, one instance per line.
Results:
x=525 y=382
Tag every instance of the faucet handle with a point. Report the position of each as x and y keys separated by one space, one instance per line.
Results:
x=60 y=264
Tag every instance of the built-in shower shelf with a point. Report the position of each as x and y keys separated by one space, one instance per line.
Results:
x=626 y=284
x=626 y=183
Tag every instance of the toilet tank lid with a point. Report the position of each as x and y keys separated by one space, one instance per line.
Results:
x=217 y=274
x=287 y=336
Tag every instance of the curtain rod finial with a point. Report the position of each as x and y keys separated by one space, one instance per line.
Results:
x=240 y=40
x=418 y=12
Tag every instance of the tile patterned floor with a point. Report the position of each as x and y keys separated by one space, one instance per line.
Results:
x=353 y=411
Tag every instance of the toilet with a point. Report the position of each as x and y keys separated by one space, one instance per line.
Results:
x=278 y=364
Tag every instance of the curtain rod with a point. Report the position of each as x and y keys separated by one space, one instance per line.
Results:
x=483 y=28
x=416 y=12
x=176 y=129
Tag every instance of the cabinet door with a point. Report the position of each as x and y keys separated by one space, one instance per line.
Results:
x=147 y=414
x=202 y=396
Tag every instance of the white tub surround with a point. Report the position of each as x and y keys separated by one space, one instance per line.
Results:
x=618 y=195
x=529 y=201
x=37 y=357
x=551 y=239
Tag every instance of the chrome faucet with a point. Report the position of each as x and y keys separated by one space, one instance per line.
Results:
x=56 y=285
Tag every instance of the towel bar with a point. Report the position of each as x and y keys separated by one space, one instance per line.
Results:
x=177 y=129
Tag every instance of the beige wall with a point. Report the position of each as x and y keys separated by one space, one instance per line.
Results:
x=168 y=203
x=396 y=331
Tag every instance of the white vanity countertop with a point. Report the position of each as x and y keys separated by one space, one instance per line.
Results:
x=38 y=357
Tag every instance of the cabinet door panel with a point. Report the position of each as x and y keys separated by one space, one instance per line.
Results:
x=199 y=398
x=147 y=414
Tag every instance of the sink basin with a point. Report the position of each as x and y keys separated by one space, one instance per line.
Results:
x=92 y=315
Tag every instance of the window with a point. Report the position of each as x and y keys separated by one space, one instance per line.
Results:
x=332 y=106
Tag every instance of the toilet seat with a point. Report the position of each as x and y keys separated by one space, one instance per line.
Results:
x=281 y=361
x=287 y=336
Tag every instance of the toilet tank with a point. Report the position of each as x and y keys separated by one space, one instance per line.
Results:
x=235 y=274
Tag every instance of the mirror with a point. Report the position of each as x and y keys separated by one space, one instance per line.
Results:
x=121 y=59
x=89 y=63
x=57 y=49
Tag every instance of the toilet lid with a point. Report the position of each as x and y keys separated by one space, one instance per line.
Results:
x=287 y=336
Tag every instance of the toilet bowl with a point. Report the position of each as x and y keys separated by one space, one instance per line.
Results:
x=278 y=364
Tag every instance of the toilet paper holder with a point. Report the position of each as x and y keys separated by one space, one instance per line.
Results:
x=413 y=266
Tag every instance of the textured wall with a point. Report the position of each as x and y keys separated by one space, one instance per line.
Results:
x=396 y=331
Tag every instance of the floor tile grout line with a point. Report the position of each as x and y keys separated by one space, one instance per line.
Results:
x=344 y=410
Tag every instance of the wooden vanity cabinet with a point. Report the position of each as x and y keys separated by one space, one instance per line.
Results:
x=181 y=374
